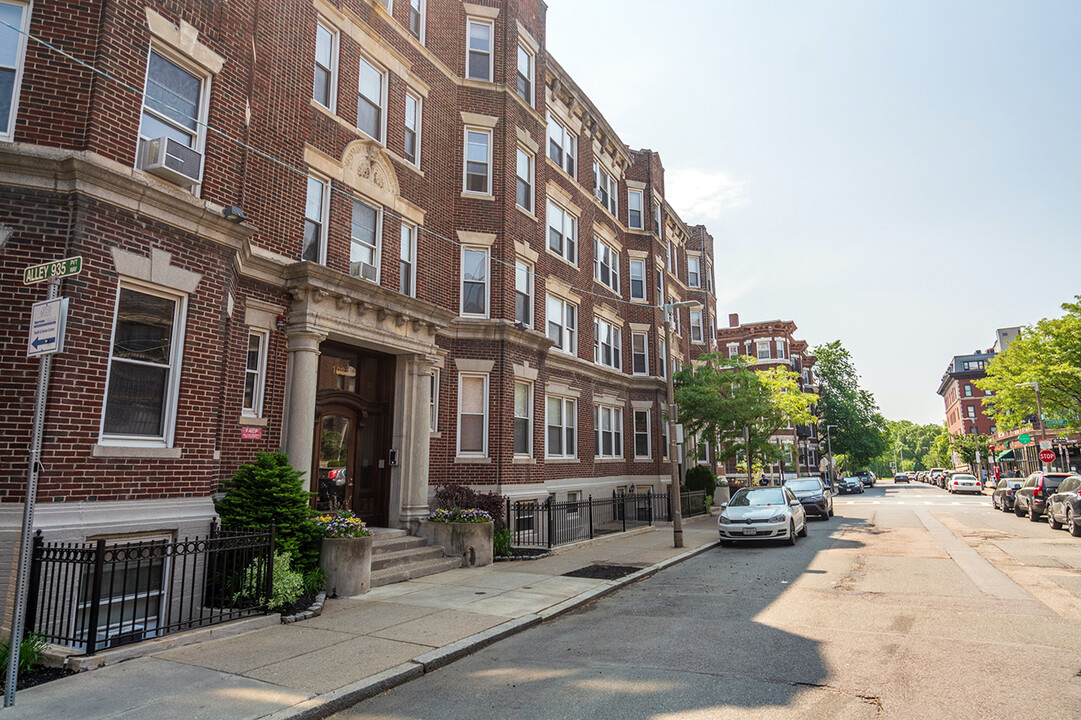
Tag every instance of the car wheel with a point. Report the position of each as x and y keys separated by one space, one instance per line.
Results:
x=1071 y=524
x=994 y=502
x=1055 y=524
x=791 y=532
x=830 y=513
x=1033 y=516
x=803 y=532
x=1017 y=509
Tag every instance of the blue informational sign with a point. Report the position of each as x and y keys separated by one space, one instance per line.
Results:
x=47 y=321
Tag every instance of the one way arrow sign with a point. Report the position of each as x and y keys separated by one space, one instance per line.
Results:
x=47 y=321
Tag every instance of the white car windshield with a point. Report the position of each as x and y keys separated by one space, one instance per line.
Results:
x=758 y=497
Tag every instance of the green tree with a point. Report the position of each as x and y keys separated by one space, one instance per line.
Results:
x=860 y=432
x=940 y=454
x=966 y=447
x=907 y=441
x=1048 y=353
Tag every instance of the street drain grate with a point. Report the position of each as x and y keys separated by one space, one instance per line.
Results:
x=603 y=572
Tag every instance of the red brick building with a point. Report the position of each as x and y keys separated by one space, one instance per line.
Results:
x=446 y=265
x=963 y=400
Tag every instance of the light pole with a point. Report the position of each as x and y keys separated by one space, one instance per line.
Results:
x=1035 y=385
x=829 y=449
x=675 y=498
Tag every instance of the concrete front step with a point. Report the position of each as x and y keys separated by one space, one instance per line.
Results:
x=413 y=570
x=397 y=544
x=384 y=560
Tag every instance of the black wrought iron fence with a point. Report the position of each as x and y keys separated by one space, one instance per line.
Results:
x=97 y=595
x=550 y=523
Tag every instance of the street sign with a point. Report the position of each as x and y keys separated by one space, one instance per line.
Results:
x=1024 y=439
x=47 y=321
x=1055 y=423
x=55 y=269
x=1045 y=444
x=1047 y=456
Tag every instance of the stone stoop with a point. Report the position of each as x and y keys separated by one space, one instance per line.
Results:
x=398 y=556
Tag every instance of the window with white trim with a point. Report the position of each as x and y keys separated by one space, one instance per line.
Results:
x=478 y=161
x=696 y=326
x=574 y=497
x=694 y=274
x=255 y=373
x=640 y=353
x=672 y=257
x=473 y=415
x=563 y=324
x=174 y=106
x=634 y=209
x=642 y=435
x=417 y=10
x=780 y=349
x=763 y=350
x=475 y=282
x=523 y=193
x=607 y=344
x=968 y=391
x=12 y=59
x=658 y=228
x=523 y=419
x=562 y=425
x=608 y=431
x=371 y=102
x=709 y=278
x=733 y=349
x=478 y=64
x=364 y=246
x=562 y=233
x=661 y=356
x=638 y=279
x=325 y=88
x=411 y=148
x=144 y=367
x=433 y=401
x=315 y=222
x=605 y=188
x=664 y=435
x=562 y=146
x=605 y=264
x=523 y=293
x=660 y=286
x=971 y=410
x=525 y=74
x=407 y=261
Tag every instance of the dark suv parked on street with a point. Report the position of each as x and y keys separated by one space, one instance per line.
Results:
x=1064 y=507
x=866 y=477
x=1031 y=498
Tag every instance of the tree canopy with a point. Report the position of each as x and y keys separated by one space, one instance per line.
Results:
x=1048 y=353
x=860 y=432
x=908 y=443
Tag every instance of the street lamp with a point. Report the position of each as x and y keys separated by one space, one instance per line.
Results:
x=829 y=449
x=674 y=494
x=1035 y=385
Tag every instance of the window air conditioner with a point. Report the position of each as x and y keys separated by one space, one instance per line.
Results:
x=362 y=270
x=173 y=161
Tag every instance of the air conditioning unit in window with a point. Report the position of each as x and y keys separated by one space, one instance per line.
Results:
x=173 y=161
x=362 y=270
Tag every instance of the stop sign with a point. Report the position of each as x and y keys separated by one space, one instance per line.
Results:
x=1047 y=456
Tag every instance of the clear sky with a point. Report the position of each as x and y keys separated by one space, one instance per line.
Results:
x=903 y=176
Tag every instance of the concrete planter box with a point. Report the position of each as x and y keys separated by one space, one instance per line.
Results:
x=347 y=563
x=720 y=495
x=470 y=541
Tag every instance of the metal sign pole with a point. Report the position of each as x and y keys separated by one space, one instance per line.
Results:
x=18 y=615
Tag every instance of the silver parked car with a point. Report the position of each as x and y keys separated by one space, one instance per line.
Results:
x=769 y=513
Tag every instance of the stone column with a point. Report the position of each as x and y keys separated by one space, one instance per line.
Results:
x=302 y=383
x=416 y=427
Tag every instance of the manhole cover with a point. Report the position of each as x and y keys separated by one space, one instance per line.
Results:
x=603 y=572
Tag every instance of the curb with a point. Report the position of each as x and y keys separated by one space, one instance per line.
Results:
x=327 y=704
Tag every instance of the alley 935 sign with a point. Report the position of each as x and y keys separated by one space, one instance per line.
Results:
x=50 y=270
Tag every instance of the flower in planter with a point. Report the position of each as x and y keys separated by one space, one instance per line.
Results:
x=343 y=524
x=457 y=515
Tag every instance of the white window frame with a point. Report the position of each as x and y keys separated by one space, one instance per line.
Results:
x=644 y=354
x=528 y=417
x=487 y=134
x=420 y=7
x=175 y=366
x=487 y=281
x=631 y=194
x=660 y=287
x=433 y=401
x=381 y=136
x=574 y=500
x=761 y=345
x=198 y=135
x=528 y=180
x=780 y=349
x=568 y=333
x=612 y=342
x=568 y=237
x=605 y=257
x=524 y=271
x=568 y=424
x=531 y=61
x=7 y=133
x=604 y=184
x=615 y=424
x=566 y=142
x=658 y=229
x=733 y=350
x=321 y=221
x=694 y=271
x=709 y=278
x=660 y=356
x=332 y=69
x=417 y=119
x=641 y=279
x=968 y=390
x=697 y=335
x=257 y=374
x=490 y=52
x=648 y=435
x=407 y=262
x=377 y=254
x=484 y=415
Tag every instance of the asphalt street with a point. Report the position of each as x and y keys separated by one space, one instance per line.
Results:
x=910 y=603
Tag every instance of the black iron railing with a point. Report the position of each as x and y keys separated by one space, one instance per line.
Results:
x=96 y=595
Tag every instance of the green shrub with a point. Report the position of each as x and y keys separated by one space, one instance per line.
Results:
x=501 y=542
x=314 y=581
x=701 y=477
x=31 y=652
x=271 y=491
x=287 y=584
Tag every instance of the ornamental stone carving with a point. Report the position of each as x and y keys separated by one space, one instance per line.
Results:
x=366 y=167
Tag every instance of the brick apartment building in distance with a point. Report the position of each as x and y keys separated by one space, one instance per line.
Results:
x=448 y=266
x=964 y=401
x=771 y=344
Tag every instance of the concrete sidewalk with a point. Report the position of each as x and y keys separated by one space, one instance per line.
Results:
x=359 y=646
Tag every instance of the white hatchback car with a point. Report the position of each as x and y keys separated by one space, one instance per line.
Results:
x=770 y=513
x=959 y=482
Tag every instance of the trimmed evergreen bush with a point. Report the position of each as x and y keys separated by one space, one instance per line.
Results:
x=271 y=491
x=701 y=477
